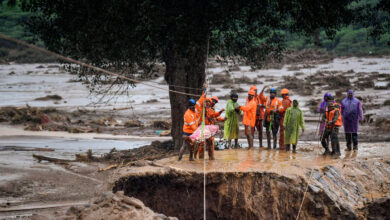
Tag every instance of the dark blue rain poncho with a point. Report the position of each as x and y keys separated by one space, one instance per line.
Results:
x=352 y=113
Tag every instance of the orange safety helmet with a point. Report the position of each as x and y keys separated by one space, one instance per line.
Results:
x=215 y=98
x=252 y=92
x=253 y=87
x=284 y=91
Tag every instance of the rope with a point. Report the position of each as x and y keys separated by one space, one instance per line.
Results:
x=204 y=145
x=70 y=60
x=311 y=173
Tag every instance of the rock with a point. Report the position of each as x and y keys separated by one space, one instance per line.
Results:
x=133 y=202
x=314 y=188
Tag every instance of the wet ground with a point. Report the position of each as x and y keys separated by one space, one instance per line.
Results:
x=309 y=155
x=240 y=181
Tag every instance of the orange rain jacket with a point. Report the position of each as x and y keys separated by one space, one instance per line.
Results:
x=199 y=107
x=330 y=116
x=249 y=113
x=273 y=104
x=190 y=121
x=212 y=115
x=285 y=104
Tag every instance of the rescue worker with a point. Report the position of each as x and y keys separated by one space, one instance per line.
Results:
x=231 y=126
x=190 y=125
x=211 y=117
x=249 y=119
x=352 y=112
x=259 y=115
x=285 y=104
x=321 y=110
x=293 y=119
x=333 y=121
x=272 y=117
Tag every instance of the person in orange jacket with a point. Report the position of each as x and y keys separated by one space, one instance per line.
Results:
x=211 y=117
x=189 y=127
x=249 y=119
x=333 y=120
x=259 y=115
x=286 y=103
x=272 y=105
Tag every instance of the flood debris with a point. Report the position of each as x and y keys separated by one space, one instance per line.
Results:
x=221 y=79
x=50 y=159
x=133 y=123
x=156 y=150
x=115 y=206
x=166 y=125
x=382 y=123
x=313 y=105
x=49 y=97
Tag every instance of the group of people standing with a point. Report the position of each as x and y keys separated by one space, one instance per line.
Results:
x=275 y=115
x=283 y=116
x=334 y=115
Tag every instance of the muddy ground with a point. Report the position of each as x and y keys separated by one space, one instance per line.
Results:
x=47 y=111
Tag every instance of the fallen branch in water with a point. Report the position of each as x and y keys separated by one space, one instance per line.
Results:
x=51 y=159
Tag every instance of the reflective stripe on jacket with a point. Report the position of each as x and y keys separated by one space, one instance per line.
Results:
x=190 y=121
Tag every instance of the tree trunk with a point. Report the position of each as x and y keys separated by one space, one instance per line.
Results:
x=184 y=71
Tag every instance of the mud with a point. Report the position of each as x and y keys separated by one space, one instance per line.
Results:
x=156 y=150
x=112 y=206
x=242 y=184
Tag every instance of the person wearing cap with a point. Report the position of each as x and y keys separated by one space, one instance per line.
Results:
x=249 y=119
x=259 y=115
x=189 y=127
x=333 y=120
x=231 y=126
x=211 y=117
x=285 y=104
x=272 y=105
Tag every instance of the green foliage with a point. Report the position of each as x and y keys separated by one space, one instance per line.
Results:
x=11 y=19
x=347 y=41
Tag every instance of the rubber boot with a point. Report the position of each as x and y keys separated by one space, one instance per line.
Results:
x=269 y=140
x=261 y=142
x=287 y=147
x=338 y=149
x=191 y=154
x=355 y=148
x=327 y=152
x=275 y=140
x=294 y=148
x=236 y=143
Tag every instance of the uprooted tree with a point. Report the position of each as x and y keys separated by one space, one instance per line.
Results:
x=133 y=35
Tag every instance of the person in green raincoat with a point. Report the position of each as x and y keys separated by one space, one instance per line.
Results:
x=231 y=127
x=293 y=119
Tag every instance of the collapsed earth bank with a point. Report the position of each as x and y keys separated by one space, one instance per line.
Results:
x=352 y=190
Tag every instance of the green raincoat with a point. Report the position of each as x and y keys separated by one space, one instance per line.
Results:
x=231 y=127
x=293 y=119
